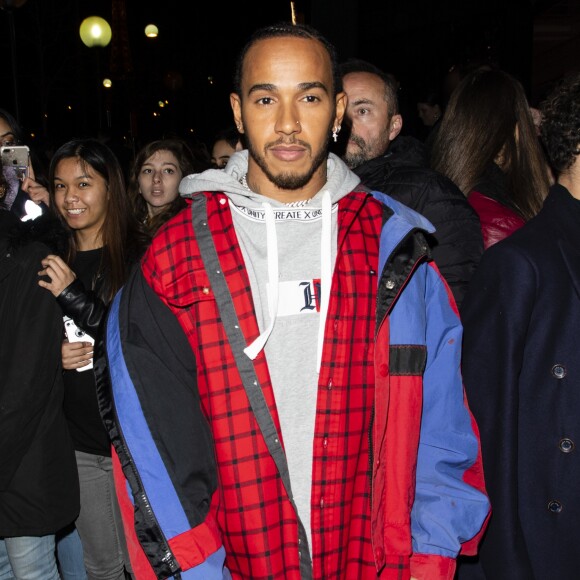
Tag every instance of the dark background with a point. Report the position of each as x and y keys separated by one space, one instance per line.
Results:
x=189 y=64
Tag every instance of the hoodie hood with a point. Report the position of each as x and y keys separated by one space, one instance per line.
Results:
x=340 y=182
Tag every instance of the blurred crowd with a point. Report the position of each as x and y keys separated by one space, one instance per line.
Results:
x=496 y=177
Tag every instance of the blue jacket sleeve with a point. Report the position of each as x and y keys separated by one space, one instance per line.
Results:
x=450 y=505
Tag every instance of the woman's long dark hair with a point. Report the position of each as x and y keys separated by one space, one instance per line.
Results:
x=488 y=117
x=188 y=164
x=123 y=238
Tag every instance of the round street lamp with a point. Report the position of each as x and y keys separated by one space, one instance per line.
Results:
x=151 y=31
x=95 y=31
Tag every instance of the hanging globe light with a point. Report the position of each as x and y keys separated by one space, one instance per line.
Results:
x=151 y=31
x=95 y=31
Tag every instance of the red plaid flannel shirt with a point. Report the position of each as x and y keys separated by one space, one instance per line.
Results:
x=258 y=522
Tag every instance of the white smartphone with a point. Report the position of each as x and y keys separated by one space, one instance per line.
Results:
x=75 y=334
x=17 y=156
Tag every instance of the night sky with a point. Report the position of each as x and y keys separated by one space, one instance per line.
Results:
x=190 y=63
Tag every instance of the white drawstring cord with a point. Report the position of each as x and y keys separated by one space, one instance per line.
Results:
x=325 y=278
x=272 y=248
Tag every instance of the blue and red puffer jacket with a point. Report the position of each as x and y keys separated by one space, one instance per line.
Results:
x=428 y=495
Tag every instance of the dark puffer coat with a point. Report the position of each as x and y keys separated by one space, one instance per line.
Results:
x=403 y=173
x=39 y=490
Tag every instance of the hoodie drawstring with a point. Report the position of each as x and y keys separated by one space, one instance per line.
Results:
x=272 y=247
x=325 y=277
x=325 y=271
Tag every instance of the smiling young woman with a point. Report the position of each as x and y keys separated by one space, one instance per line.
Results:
x=87 y=191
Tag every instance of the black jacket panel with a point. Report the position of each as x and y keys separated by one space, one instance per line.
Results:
x=403 y=174
x=39 y=491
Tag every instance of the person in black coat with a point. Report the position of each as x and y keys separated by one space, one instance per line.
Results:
x=521 y=370
x=39 y=488
x=398 y=166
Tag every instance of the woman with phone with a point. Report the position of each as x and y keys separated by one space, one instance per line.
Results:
x=88 y=193
x=17 y=168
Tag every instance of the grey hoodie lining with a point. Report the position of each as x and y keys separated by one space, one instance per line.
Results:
x=291 y=348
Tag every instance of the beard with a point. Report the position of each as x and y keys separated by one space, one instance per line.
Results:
x=288 y=180
x=358 y=156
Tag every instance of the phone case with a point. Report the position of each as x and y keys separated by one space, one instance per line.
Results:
x=75 y=334
x=15 y=156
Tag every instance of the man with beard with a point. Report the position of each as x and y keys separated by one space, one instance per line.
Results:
x=319 y=429
x=398 y=165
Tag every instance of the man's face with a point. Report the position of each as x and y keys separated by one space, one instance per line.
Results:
x=372 y=127
x=287 y=111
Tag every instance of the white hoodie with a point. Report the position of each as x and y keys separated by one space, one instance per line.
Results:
x=289 y=253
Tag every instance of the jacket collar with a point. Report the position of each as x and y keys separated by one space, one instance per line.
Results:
x=564 y=211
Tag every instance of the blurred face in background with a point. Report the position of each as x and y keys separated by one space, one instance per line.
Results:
x=372 y=127
x=6 y=135
x=429 y=114
x=159 y=180
x=221 y=153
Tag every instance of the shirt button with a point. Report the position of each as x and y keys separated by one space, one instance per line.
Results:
x=379 y=554
x=223 y=200
x=336 y=325
x=205 y=290
x=325 y=443
x=559 y=371
x=555 y=506
x=321 y=503
x=566 y=445
x=329 y=384
x=384 y=370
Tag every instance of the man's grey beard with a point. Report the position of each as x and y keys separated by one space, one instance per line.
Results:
x=355 y=158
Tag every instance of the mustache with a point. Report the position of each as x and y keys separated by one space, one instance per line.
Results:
x=284 y=141
x=357 y=141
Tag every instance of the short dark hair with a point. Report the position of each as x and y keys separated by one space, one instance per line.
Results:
x=230 y=135
x=281 y=30
x=357 y=65
x=560 y=126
